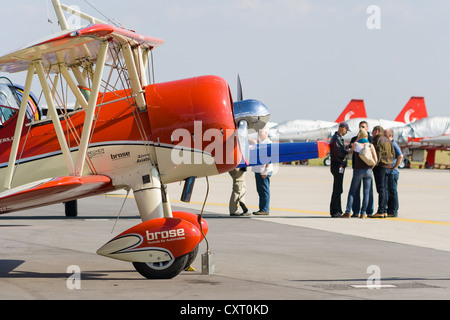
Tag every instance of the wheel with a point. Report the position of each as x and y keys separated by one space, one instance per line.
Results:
x=162 y=270
x=405 y=164
x=327 y=162
x=71 y=208
x=191 y=257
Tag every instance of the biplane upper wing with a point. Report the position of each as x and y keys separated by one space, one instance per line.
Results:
x=51 y=191
x=94 y=44
x=73 y=47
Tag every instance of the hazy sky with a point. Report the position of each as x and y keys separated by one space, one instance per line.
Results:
x=304 y=59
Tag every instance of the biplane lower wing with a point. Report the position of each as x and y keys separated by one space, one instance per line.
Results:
x=51 y=191
x=286 y=152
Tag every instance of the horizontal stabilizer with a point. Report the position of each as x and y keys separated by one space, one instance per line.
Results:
x=51 y=191
x=439 y=140
x=286 y=152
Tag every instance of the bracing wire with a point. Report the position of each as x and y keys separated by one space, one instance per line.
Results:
x=201 y=214
x=113 y=21
x=120 y=211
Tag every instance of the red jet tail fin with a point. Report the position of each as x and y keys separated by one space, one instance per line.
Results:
x=355 y=109
x=414 y=110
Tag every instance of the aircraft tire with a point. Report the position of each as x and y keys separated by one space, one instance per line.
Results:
x=71 y=208
x=191 y=257
x=162 y=270
x=327 y=162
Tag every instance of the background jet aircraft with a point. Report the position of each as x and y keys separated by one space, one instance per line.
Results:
x=355 y=109
x=413 y=110
x=431 y=134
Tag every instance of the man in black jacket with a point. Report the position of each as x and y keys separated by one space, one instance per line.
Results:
x=338 y=156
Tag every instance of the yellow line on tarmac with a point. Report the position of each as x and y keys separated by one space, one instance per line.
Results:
x=443 y=223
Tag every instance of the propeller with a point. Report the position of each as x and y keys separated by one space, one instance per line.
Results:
x=249 y=114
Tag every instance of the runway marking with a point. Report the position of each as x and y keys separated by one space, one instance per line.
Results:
x=372 y=286
x=443 y=223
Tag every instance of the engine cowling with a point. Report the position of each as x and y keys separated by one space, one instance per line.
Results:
x=192 y=123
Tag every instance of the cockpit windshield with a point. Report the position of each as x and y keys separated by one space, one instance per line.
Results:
x=10 y=97
x=8 y=100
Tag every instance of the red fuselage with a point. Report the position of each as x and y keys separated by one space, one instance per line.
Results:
x=123 y=133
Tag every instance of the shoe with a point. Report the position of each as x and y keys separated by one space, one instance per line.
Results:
x=261 y=213
x=243 y=214
x=346 y=215
x=336 y=215
x=362 y=216
x=355 y=215
x=243 y=206
x=377 y=215
x=391 y=215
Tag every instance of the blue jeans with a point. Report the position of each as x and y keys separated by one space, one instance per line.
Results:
x=263 y=188
x=392 y=194
x=381 y=182
x=356 y=207
x=366 y=176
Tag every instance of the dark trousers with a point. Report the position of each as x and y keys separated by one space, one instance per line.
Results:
x=263 y=188
x=338 y=178
x=381 y=181
x=393 y=194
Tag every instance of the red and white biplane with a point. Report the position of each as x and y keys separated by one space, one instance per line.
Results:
x=125 y=132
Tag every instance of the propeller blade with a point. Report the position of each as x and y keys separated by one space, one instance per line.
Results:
x=240 y=96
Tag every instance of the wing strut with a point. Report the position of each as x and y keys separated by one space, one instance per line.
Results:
x=62 y=19
x=74 y=170
x=85 y=136
x=19 y=126
x=73 y=86
x=134 y=76
x=54 y=116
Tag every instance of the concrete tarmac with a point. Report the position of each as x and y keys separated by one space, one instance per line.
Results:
x=296 y=253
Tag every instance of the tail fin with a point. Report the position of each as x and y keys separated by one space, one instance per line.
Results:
x=414 y=110
x=355 y=109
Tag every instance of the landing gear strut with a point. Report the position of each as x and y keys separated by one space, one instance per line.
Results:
x=166 y=242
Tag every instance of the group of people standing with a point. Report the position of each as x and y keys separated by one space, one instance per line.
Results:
x=385 y=157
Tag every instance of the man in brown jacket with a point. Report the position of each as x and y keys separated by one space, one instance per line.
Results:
x=385 y=153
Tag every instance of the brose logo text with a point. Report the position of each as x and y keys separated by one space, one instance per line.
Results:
x=163 y=235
